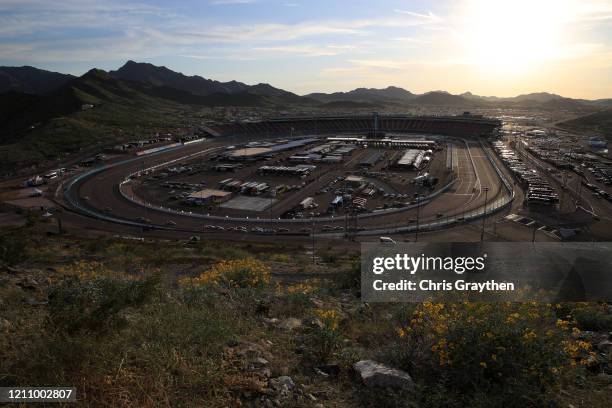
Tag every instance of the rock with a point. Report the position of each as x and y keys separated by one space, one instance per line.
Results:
x=290 y=323
x=375 y=374
x=283 y=384
x=34 y=302
x=251 y=350
x=321 y=373
x=264 y=372
x=28 y=283
x=332 y=370
x=268 y=320
x=259 y=362
x=5 y=325
x=316 y=323
x=604 y=346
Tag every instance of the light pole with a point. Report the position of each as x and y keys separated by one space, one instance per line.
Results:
x=416 y=233
x=484 y=216
x=313 y=241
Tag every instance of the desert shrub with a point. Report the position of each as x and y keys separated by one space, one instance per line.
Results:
x=330 y=256
x=515 y=352
x=95 y=304
x=278 y=257
x=350 y=276
x=238 y=273
x=13 y=249
x=220 y=251
x=165 y=352
x=324 y=340
x=590 y=316
x=293 y=300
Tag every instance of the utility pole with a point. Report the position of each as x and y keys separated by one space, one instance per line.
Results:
x=484 y=216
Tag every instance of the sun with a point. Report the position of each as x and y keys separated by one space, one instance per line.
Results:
x=513 y=36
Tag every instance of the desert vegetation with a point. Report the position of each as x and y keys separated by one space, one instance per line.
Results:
x=204 y=323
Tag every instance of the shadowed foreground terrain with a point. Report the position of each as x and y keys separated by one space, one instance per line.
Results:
x=203 y=323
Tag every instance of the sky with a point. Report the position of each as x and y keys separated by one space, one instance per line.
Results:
x=487 y=47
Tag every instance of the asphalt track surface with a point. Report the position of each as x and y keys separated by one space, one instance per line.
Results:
x=94 y=195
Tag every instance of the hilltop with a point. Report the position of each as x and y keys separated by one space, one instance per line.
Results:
x=31 y=80
x=598 y=122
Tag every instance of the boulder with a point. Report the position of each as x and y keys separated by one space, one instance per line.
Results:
x=375 y=374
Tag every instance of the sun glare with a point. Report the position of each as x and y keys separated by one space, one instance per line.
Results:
x=515 y=36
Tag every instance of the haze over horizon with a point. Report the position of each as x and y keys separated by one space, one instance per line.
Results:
x=501 y=48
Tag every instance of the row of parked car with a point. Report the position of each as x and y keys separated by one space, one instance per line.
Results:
x=597 y=192
x=539 y=191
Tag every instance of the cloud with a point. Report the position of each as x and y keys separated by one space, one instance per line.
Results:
x=226 y=2
x=305 y=50
x=429 y=17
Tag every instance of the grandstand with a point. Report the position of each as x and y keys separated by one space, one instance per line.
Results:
x=327 y=125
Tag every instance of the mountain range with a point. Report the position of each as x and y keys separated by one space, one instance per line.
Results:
x=162 y=82
x=46 y=114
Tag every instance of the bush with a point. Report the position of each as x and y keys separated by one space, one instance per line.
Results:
x=95 y=305
x=325 y=340
x=13 y=249
x=294 y=300
x=592 y=317
x=166 y=351
x=350 y=276
x=515 y=352
x=239 y=273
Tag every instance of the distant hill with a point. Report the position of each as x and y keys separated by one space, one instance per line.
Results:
x=442 y=98
x=540 y=97
x=31 y=80
x=37 y=128
x=166 y=83
x=598 y=122
x=391 y=94
x=540 y=100
x=395 y=95
x=349 y=105
x=34 y=127
x=164 y=77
